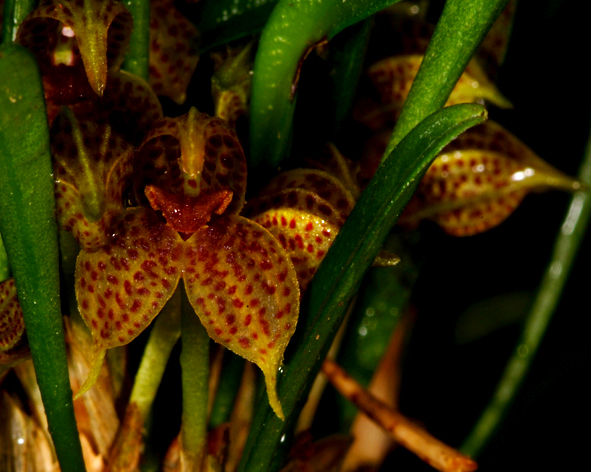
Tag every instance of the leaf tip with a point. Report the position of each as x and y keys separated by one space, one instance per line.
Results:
x=95 y=369
x=271 y=383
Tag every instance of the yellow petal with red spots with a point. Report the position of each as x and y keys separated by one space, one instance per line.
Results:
x=245 y=291
x=92 y=166
x=12 y=324
x=297 y=199
x=173 y=50
x=479 y=180
x=321 y=183
x=393 y=77
x=101 y=29
x=121 y=287
x=305 y=236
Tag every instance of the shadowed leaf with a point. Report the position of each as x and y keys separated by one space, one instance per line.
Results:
x=245 y=291
x=494 y=45
x=173 y=50
x=12 y=325
x=121 y=287
x=92 y=166
x=101 y=29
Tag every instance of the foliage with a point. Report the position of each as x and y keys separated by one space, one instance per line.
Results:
x=261 y=229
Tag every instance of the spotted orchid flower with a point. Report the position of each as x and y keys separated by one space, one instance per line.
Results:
x=64 y=31
x=476 y=182
x=238 y=278
x=392 y=79
x=173 y=50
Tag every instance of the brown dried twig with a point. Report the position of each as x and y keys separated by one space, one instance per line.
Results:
x=435 y=453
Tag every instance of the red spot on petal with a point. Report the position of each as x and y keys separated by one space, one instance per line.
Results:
x=136 y=305
x=127 y=287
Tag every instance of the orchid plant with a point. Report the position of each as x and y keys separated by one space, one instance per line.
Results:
x=161 y=210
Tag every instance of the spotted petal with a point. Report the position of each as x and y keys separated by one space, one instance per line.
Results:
x=479 y=180
x=12 y=324
x=305 y=236
x=121 y=287
x=245 y=292
x=191 y=153
x=101 y=28
x=320 y=182
x=129 y=104
x=393 y=77
x=173 y=50
x=92 y=166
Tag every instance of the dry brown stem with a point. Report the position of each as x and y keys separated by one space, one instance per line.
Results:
x=435 y=453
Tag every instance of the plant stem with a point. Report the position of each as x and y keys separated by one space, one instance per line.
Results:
x=195 y=374
x=293 y=30
x=163 y=337
x=137 y=58
x=548 y=295
x=227 y=389
x=15 y=12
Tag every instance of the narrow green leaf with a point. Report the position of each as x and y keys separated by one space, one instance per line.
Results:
x=137 y=58
x=293 y=31
x=29 y=230
x=4 y=267
x=15 y=11
x=349 y=258
x=461 y=28
x=223 y=21
x=567 y=244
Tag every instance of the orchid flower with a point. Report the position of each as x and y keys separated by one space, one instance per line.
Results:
x=238 y=278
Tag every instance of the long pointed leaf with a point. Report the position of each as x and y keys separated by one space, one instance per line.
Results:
x=346 y=263
x=29 y=231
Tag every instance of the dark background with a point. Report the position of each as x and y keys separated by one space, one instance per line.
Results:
x=445 y=384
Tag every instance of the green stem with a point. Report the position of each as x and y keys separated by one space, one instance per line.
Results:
x=460 y=30
x=29 y=231
x=292 y=30
x=195 y=377
x=163 y=337
x=15 y=12
x=4 y=267
x=346 y=263
x=383 y=298
x=548 y=295
x=138 y=55
x=227 y=389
